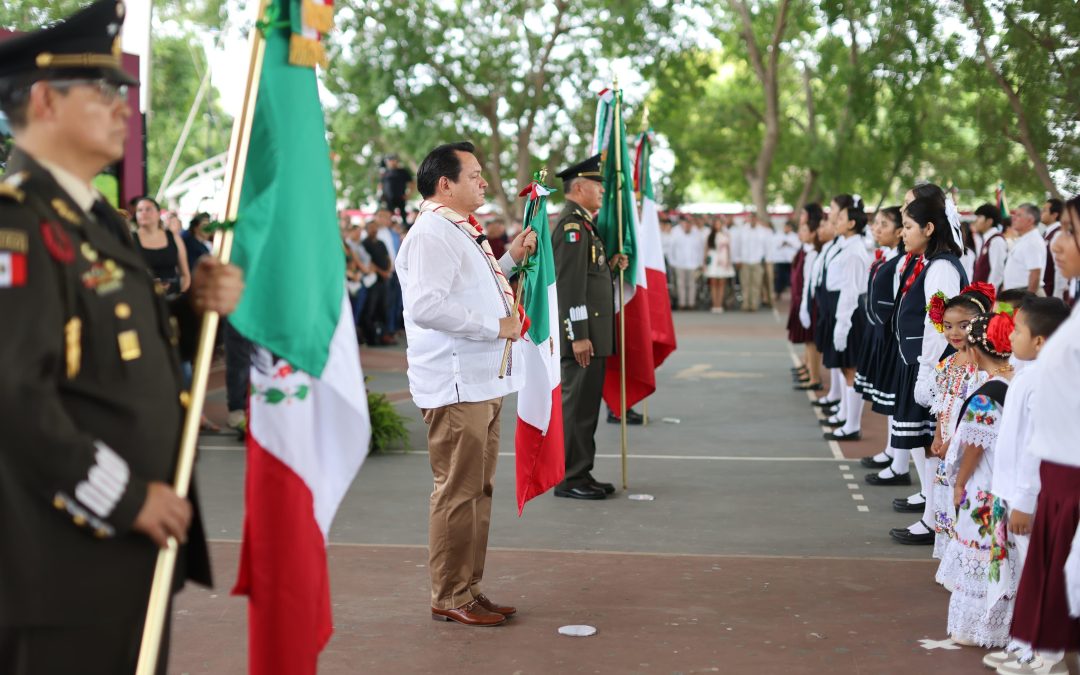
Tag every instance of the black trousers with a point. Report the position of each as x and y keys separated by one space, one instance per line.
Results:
x=582 y=391
x=373 y=318
x=103 y=649
x=237 y=367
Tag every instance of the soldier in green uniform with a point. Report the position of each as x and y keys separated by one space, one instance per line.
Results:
x=583 y=277
x=91 y=397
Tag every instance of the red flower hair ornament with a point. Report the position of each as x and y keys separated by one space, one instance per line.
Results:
x=998 y=332
x=982 y=288
x=936 y=311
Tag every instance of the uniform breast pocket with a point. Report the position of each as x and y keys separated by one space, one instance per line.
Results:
x=91 y=337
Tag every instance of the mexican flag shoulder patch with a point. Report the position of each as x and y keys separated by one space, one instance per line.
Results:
x=573 y=237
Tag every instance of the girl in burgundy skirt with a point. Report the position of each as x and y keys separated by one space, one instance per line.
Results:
x=1042 y=617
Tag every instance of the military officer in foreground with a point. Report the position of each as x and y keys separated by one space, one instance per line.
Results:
x=583 y=277
x=91 y=397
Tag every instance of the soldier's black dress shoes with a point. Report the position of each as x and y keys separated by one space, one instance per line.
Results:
x=581 y=492
x=607 y=488
x=631 y=417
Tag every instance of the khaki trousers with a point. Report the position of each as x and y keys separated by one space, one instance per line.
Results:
x=751 y=276
x=463 y=444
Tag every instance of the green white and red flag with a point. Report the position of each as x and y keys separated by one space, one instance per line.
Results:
x=538 y=441
x=308 y=425
x=652 y=254
x=618 y=213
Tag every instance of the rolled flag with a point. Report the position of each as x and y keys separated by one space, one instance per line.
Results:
x=652 y=254
x=538 y=440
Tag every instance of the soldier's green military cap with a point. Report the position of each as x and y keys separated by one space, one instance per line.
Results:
x=590 y=169
x=85 y=45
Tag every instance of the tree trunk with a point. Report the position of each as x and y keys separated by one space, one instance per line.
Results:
x=758 y=177
x=1027 y=139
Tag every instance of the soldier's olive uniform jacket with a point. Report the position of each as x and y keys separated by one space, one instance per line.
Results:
x=90 y=410
x=584 y=282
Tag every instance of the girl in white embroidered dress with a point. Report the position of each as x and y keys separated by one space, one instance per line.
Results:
x=976 y=552
x=955 y=379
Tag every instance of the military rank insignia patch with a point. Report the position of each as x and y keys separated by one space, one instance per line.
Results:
x=573 y=237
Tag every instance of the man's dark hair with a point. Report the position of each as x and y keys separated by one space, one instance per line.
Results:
x=1056 y=206
x=929 y=209
x=442 y=161
x=990 y=212
x=1015 y=297
x=1044 y=315
x=15 y=101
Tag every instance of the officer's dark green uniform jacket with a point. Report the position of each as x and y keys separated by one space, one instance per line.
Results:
x=583 y=282
x=90 y=410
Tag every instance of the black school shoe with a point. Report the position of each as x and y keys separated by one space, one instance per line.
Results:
x=898 y=479
x=902 y=505
x=839 y=435
x=905 y=536
x=869 y=463
x=824 y=404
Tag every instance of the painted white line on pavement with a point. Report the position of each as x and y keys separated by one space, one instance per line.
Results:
x=713 y=458
x=845 y=467
x=863 y=509
x=853 y=486
x=857 y=497
x=835 y=447
x=848 y=476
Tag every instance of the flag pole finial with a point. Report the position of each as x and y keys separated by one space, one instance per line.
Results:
x=543 y=175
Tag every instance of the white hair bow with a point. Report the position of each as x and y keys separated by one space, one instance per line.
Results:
x=954 y=222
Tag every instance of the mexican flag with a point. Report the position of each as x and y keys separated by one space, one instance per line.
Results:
x=618 y=212
x=308 y=425
x=1002 y=202
x=652 y=254
x=538 y=442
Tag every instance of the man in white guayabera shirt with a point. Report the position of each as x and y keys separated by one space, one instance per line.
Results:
x=458 y=317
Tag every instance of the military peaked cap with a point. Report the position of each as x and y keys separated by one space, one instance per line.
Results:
x=85 y=45
x=590 y=169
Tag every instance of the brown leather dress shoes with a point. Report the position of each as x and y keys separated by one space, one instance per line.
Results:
x=490 y=606
x=472 y=614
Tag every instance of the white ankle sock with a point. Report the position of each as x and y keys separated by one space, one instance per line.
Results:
x=841 y=411
x=917 y=528
x=854 y=411
x=917 y=498
x=900 y=461
x=883 y=456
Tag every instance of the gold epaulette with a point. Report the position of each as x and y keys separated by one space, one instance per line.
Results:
x=10 y=187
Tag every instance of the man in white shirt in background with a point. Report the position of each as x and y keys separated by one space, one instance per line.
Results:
x=458 y=317
x=1054 y=282
x=687 y=258
x=782 y=251
x=1027 y=259
x=755 y=248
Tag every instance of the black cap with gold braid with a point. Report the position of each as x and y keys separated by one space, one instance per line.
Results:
x=590 y=169
x=85 y=45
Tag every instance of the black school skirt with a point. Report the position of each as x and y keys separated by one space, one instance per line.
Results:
x=912 y=425
x=849 y=357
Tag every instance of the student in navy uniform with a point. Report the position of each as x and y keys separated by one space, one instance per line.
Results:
x=879 y=365
x=928 y=236
x=91 y=401
x=830 y=247
x=844 y=291
x=583 y=278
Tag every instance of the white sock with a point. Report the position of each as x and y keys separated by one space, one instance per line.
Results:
x=920 y=468
x=917 y=498
x=841 y=411
x=854 y=411
x=836 y=386
x=918 y=528
x=927 y=482
x=883 y=456
x=900 y=461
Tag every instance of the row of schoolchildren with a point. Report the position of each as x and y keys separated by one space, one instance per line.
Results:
x=994 y=438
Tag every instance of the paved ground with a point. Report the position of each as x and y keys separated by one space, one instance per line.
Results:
x=763 y=551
